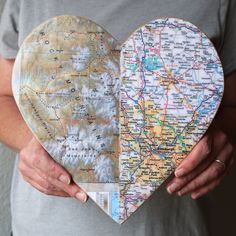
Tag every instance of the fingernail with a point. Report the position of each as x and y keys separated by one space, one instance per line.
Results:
x=179 y=193
x=81 y=196
x=195 y=196
x=65 y=179
x=179 y=172
x=172 y=188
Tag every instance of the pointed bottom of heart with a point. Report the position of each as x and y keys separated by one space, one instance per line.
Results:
x=119 y=200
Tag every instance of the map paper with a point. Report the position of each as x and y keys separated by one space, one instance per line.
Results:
x=119 y=117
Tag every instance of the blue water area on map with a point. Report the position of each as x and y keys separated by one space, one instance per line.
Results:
x=152 y=63
x=163 y=156
x=212 y=105
x=212 y=102
x=115 y=205
x=133 y=66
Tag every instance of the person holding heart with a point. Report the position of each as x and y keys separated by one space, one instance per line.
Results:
x=43 y=193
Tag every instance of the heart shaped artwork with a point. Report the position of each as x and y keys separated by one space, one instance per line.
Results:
x=119 y=118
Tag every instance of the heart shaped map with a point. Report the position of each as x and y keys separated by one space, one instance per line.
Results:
x=119 y=118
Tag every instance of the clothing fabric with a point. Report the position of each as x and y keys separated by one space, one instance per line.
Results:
x=36 y=214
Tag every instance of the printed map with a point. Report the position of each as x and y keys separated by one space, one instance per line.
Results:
x=119 y=118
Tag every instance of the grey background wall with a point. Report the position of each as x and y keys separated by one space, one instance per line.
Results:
x=219 y=206
x=6 y=166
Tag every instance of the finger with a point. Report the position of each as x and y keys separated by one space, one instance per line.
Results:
x=49 y=167
x=207 y=146
x=213 y=172
x=72 y=189
x=206 y=189
x=195 y=157
x=178 y=183
x=46 y=190
x=30 y=174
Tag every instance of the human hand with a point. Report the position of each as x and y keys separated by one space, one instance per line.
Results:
x=199 y=172
x=44 y=174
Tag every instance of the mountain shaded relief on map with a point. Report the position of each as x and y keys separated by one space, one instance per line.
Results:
x=119 y=118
